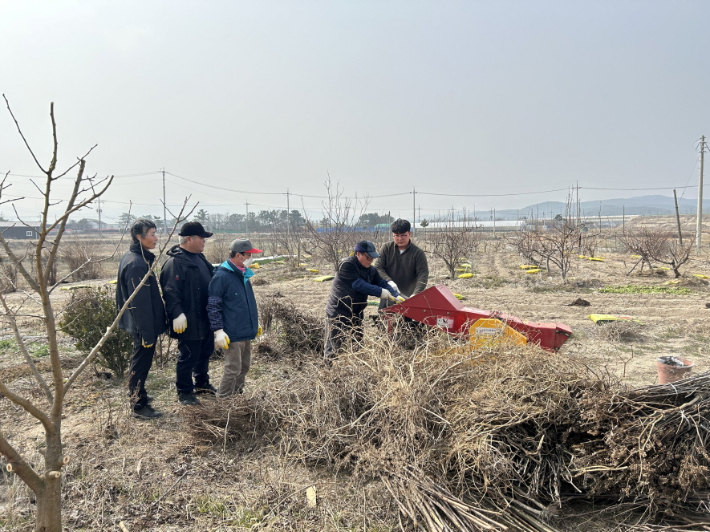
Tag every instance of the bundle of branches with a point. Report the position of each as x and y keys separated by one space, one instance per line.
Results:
x=293 y=329
x=649 y=445
x=480 y=441
x=437 y=422
x=224 y=424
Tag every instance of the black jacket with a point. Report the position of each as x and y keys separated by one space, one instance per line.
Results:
x=181 y=282
x=345 y=299
x=145 y=316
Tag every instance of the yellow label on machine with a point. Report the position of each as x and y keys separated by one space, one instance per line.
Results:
x=490 y=332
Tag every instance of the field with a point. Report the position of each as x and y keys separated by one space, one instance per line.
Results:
x=165 y=475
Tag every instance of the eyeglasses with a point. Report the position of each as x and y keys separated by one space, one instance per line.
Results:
x=366 y=256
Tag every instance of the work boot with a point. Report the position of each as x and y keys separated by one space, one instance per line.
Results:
x=188 y=399
x=205 y=389
x=147 y=412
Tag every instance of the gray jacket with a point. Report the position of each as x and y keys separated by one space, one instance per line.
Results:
x=409 y=270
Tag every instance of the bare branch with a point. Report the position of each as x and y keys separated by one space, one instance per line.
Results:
x=18 y=262
x=22 y=135
x=20 y=466
x=78 y=161
x=29 y=407
x=12 y=318
x=53 y=163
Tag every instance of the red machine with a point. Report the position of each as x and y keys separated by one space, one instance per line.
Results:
x=438 y=307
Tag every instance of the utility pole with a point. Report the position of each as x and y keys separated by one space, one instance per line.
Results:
x=414 y=206
x=246 y=219
x=98 y=210
x=288 y=218
x=699 y=222
x=677 y=217
x=165 y=209
x=623 y=219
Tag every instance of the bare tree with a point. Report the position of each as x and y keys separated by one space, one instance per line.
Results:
x=656 y=245
x=555 y=244
x=334 y=236
x=46 y=485
x=452 y=243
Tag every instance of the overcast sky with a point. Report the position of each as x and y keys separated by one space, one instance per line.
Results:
x=477 y=97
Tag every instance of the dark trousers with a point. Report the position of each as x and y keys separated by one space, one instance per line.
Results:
x=340 y=330
x=141 y=361
x=194 y=359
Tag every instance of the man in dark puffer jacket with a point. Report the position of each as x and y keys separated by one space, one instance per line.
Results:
x=185 y=278
x=145 y=318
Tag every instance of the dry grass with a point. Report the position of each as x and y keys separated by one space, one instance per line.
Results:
x=467 y=441
x=378 y=429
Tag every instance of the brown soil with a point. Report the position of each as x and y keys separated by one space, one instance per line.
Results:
x=156 y=476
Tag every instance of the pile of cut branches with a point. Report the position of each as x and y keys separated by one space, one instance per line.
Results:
x=650 y=444
x=293 y=330
x=497 y=440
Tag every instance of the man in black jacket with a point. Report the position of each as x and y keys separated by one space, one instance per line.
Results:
x=185 y=277
x=144 y=319
x=355 y=280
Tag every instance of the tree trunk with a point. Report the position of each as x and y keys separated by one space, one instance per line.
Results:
x=49 y=500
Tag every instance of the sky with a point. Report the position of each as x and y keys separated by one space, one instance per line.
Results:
x=476 y=105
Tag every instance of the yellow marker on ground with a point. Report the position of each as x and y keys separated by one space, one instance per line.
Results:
x=312 y=270
x=701 y=276
x=605 y=318
x=598 y=259
x=324 y=278
x=459 y=297
x=255 y=266
x=465 y=276
x=534 y=270
x=527 y=266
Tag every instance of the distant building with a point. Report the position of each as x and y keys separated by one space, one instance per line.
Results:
x=18 y=231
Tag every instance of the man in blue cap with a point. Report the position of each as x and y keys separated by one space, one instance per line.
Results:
x=355 y=279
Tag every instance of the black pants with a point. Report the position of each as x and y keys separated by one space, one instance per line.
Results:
x=340 y=330
x=141 y=361
x=194 y=359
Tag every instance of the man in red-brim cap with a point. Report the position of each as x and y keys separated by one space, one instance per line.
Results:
x=231 y=307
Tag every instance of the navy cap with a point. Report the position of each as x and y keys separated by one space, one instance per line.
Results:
x=365 y=246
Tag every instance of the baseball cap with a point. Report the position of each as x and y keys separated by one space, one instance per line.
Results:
x=365 y=246
x=194 y=229
x=243 y=246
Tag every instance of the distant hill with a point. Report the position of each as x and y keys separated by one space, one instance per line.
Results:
x=642 y=205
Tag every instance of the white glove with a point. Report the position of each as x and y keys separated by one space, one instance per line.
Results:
x=400 y=299
x=180 y=323
x=386 y=294
x=393 y=285
x=221 y=340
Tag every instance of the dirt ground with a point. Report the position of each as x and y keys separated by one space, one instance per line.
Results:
x=155 y=476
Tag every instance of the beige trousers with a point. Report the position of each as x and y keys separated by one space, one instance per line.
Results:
x=237 y=359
